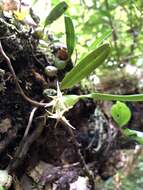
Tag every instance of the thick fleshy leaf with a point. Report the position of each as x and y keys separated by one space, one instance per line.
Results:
x=86 y=66
x=70 y=35
x=121 y=113
x=70 y=100
x=55 y=13
x=115 y=97
x=34 y=16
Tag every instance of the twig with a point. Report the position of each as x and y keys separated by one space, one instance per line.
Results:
x=88 y=172
x=25 y=145
x=7 y=37
x=30 y=121
x=33 y=102
x=114 y=34
x=82 y=160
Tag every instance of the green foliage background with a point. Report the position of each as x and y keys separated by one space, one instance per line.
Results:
x=92 y=18
x=134 y=181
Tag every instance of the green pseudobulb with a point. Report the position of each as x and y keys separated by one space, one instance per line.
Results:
x=121 y=113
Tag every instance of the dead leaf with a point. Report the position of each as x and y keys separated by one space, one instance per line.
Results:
x=26 y=183
x=38 y=171
x=80 y=184
x=5 y=125
x=10 y=5
x=17 y=184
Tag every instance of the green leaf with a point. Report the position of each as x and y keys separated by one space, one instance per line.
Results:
x=133 y=134
x=34 y=2
x=70 y=36
x=86 y=66
x=1 y=188
x=99 y=40
x=139 y=5
x=70 y=100
x=115 y=97
x=121 y=113
x=55 y=13
x=34 y=16
x=106 y=97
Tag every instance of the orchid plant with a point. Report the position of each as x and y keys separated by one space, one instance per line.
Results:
x=98 y=53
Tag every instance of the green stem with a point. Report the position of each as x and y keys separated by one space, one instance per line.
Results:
x=111 y=97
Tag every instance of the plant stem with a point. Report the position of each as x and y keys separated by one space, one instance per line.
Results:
x=111 y=97
x=114 y=33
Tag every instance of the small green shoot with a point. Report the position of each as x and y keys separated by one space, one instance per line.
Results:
x=55 y=13
x=70 y=36
x=34 y=16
